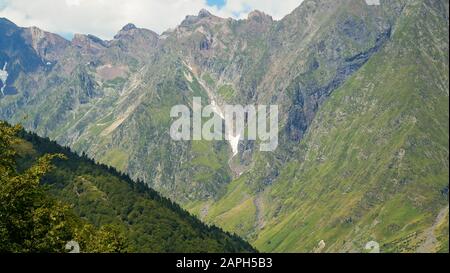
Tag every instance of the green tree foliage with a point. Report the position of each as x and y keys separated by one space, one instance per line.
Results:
x=108 y=211
x=31 y=221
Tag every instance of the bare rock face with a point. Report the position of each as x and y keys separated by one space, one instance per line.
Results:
x=48 y=45
x=128 y=27
x=17 y=56
x=134 y=39
x=89 y=44
x=259 y=16
x=258 y=61
x=204 y=13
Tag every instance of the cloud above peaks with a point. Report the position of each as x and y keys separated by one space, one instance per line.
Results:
x=104 y=18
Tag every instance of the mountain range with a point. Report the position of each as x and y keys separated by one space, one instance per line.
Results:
x=362 y=89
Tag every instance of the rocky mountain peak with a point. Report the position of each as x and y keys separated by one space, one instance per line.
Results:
x=257 y=15
x=6 y=22
x=132 y=36
x=37 y=33
x=129 y=27
x=89 y=43
x=202 y=16
x=82 y=39
x=135 y=40
x=204 y=13
x=7 y=27
x=79 y=38
x=48 y=45
x=131 y=30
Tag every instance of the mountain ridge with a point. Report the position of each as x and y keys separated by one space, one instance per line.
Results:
x=111 y=100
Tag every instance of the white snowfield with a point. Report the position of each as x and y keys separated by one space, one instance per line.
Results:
x=373 y=2
x=3 y=77
x=231 y=137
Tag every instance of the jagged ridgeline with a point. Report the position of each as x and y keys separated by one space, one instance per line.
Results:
x=362 y=89
x=106 y=207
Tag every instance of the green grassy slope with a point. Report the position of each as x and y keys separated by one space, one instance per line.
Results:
x=374 y=163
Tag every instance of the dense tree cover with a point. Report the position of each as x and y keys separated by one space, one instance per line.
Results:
x=30 y=220
x=109 y=212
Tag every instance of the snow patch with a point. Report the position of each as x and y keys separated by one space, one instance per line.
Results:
x=3 y=77
x=373 y=2
x=233 y=139
x=234 y=142
x=230 y=136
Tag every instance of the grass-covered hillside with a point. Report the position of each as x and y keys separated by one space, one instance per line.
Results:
x=373 y=166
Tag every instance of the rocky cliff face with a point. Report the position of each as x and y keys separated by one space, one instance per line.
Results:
x=355 y=174
x=111 y=100
x=295 y=63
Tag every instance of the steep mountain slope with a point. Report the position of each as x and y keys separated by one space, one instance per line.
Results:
x=295 y=63
x=100 y=93
x=111 y=100
x=106 y=91
x=102 y=196
x=374 y=163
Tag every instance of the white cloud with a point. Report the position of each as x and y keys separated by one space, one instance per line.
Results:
x=275 y=8
x=104 y=18
x=73 y=2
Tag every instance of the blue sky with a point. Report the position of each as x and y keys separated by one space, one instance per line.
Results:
x=104 y=18
x=217 y=3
